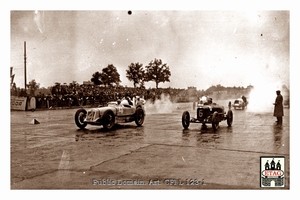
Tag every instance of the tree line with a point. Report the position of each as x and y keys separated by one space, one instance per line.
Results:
x=156 y=71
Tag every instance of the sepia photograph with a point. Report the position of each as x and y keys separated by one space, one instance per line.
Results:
x=147 y=99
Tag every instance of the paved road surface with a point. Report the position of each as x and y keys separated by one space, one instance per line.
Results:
x=159 y=155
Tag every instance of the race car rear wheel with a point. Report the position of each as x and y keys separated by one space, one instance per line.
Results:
x=79 y=118
x=215 y=121
x=139 y=116
x=185 y=119
x=108 y=120
x=229 y=117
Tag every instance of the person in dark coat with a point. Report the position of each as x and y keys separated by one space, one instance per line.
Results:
x=278 y=108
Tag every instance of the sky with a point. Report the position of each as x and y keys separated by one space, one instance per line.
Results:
x=201 y=47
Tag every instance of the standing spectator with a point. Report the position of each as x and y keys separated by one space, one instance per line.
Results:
x=49 y=101
x=80 y=96
x=278 y=108
x=244 y=99
x=13 y=90
x=39 y=100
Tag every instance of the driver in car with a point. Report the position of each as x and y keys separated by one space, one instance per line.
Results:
x=208 y=101
x=126 y=101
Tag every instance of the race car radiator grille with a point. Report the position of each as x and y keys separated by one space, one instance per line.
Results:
x=202 y=113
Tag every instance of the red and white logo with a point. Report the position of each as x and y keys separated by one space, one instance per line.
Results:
x=272 y=171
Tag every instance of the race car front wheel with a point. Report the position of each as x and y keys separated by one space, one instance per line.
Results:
x=229 y=117
x=215 y=121
x=185 y=119
x=139 y=116
x=79 y=118
x=108 y=120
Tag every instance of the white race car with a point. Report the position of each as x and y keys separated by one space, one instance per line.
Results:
x=239 y=103
x=114 y=113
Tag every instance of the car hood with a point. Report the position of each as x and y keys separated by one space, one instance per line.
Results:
x=103 y=109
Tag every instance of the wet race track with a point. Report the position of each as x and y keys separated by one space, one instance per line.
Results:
x=55 y=154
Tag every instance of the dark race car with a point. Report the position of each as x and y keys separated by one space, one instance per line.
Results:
x=113 y=113
x=208 y=113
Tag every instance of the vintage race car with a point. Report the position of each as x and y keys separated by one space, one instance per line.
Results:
x=239 y=103
x=208 y=113
x=113 y=113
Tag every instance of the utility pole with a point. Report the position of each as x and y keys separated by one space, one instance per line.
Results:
x=25 y=78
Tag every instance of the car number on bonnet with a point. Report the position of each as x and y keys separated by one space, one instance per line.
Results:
x=90 y=116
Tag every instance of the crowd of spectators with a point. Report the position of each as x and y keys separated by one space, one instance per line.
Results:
x=82 y=95
x=63 y=95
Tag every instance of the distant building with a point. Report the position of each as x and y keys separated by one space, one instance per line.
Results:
x=88 y=83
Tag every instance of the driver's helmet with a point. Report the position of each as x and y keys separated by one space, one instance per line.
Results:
x=119 y=101
x=125 y=102
x=203 y=100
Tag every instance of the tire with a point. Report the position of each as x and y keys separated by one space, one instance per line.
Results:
x=139 y=116
x=215 y=121
x=229 y=118
x=79 y=118
x=185 y=119
x=108 y=120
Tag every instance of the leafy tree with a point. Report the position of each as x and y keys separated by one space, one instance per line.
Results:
x=96 y=78
x=33 y=86
x=110 y=75
x=135 y=73
x=157 y=71
x=58 y=89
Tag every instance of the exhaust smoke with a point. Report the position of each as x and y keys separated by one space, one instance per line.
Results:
x=261 y=99
x=160 y=106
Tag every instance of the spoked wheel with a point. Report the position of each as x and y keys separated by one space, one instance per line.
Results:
x=215 y=121
x=139 y=116
x=185 y=119
x=80 y=115
x=108 y=120
x=229 y=117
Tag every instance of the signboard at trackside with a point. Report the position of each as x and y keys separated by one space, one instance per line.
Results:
x=18 y=103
